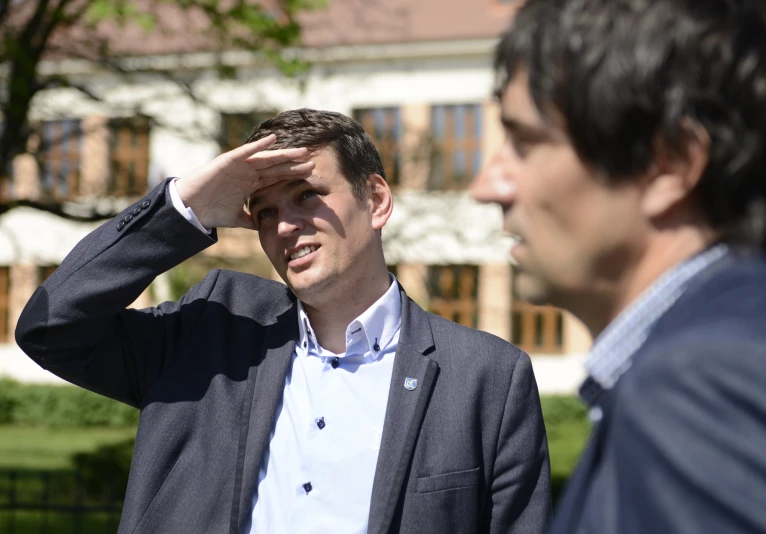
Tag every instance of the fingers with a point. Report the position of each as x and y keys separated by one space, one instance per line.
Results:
x=289 y=169
x=269 y=158
x=249 y=149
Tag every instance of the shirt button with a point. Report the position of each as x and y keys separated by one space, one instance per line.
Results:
x=120 y=225
x=335 y=363
x=307 y=487
x=146 y=203
x=321 y=423
x=136 y=210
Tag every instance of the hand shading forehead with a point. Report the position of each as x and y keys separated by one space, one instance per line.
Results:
x=283 y=187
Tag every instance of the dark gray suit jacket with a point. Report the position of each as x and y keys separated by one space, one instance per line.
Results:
x=681 y=446
x=464 y=452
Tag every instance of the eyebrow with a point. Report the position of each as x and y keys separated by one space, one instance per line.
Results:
x=527 y=131
x=289 y=186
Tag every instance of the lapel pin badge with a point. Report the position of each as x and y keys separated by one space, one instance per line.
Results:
x=410 y=384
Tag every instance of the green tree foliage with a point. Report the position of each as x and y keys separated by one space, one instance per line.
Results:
x=32 y=31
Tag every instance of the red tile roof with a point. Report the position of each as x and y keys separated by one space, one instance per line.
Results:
x=342 y=22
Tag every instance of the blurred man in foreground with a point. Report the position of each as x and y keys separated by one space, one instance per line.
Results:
x=634 y=177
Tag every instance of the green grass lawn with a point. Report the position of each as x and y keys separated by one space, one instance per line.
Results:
x=33 y=447
x=57 y=523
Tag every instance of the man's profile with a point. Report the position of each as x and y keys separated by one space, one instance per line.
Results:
x=633 y=178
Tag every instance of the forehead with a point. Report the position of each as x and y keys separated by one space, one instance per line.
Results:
x=516 y=101
x=326 y=175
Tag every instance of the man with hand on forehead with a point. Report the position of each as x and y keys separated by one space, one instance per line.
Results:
x=331 y=404
x=634 y=178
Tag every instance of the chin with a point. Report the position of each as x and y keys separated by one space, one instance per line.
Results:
x=529 y=289
x=306 y=283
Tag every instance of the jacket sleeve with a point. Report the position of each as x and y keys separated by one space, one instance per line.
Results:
x=689 y=439
x=521 y=492
x=76 y=324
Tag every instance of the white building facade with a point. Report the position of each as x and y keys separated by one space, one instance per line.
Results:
x=424 y=95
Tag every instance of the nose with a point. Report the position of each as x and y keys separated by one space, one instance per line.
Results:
x=494 y=183
x=290 y=222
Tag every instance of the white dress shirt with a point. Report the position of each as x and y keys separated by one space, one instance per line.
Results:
x=318 y=471
x=328 y=428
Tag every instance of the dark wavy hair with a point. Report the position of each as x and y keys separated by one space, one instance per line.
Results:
x=314 y=129
x=620 y=75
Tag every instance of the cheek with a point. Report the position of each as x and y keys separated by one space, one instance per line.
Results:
x=268 y=244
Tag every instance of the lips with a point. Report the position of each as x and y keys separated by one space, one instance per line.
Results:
x=300 y=254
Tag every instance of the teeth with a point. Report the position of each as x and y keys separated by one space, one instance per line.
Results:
x=302 y=252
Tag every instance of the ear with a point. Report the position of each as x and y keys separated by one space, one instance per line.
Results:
x=676 y=173
x=380 y=200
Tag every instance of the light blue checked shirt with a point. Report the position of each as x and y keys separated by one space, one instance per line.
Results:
x=614 y=348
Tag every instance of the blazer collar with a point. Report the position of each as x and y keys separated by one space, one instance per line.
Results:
x=412 y=380
x=265 y=386
x=405 y=410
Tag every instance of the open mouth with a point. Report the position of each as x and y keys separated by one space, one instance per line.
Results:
x=516 y=238
x=301 y=254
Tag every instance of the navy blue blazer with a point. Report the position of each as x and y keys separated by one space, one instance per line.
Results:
x=681 y=446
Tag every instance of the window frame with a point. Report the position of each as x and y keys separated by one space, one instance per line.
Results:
x=129 y=159
x=456 y=130
x=50 y=162
x=461 y=285
x=388 y=121
x=537 y=329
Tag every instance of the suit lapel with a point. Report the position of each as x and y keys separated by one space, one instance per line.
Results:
x=404 y=413
x=265 y=386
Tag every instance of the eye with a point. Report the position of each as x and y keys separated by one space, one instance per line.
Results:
x=308 y=193
x=265 y=213
x=520 y=146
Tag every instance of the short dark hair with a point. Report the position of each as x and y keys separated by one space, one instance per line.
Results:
x=358 y=158
x=620 y=75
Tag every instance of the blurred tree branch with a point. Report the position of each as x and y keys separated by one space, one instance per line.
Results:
x=35 y=31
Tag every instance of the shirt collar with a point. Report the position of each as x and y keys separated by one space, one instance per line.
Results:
x=615 y=347
x=374 y=329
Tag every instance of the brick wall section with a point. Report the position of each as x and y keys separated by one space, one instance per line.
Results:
x=413 y=277
x=24 y=279
x=576 y=337
x=492 y=131
x=495 y=299
x=94 y=162
x=415 y=154
x=26 y=181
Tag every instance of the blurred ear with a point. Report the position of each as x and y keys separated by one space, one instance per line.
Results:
x=676 y=173
x=380 y=200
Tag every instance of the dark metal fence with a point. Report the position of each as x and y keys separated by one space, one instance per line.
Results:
x=57 y=502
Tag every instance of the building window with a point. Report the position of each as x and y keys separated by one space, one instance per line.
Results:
x=59 y=157
x=237 y=127
x=537 y=329
x=454 y=293
x=129 y=156
x=384 y=126
x=456 y=145
x=5 y=289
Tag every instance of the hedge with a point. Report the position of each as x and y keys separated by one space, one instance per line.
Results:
x=60 y=406
x=67 y=406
